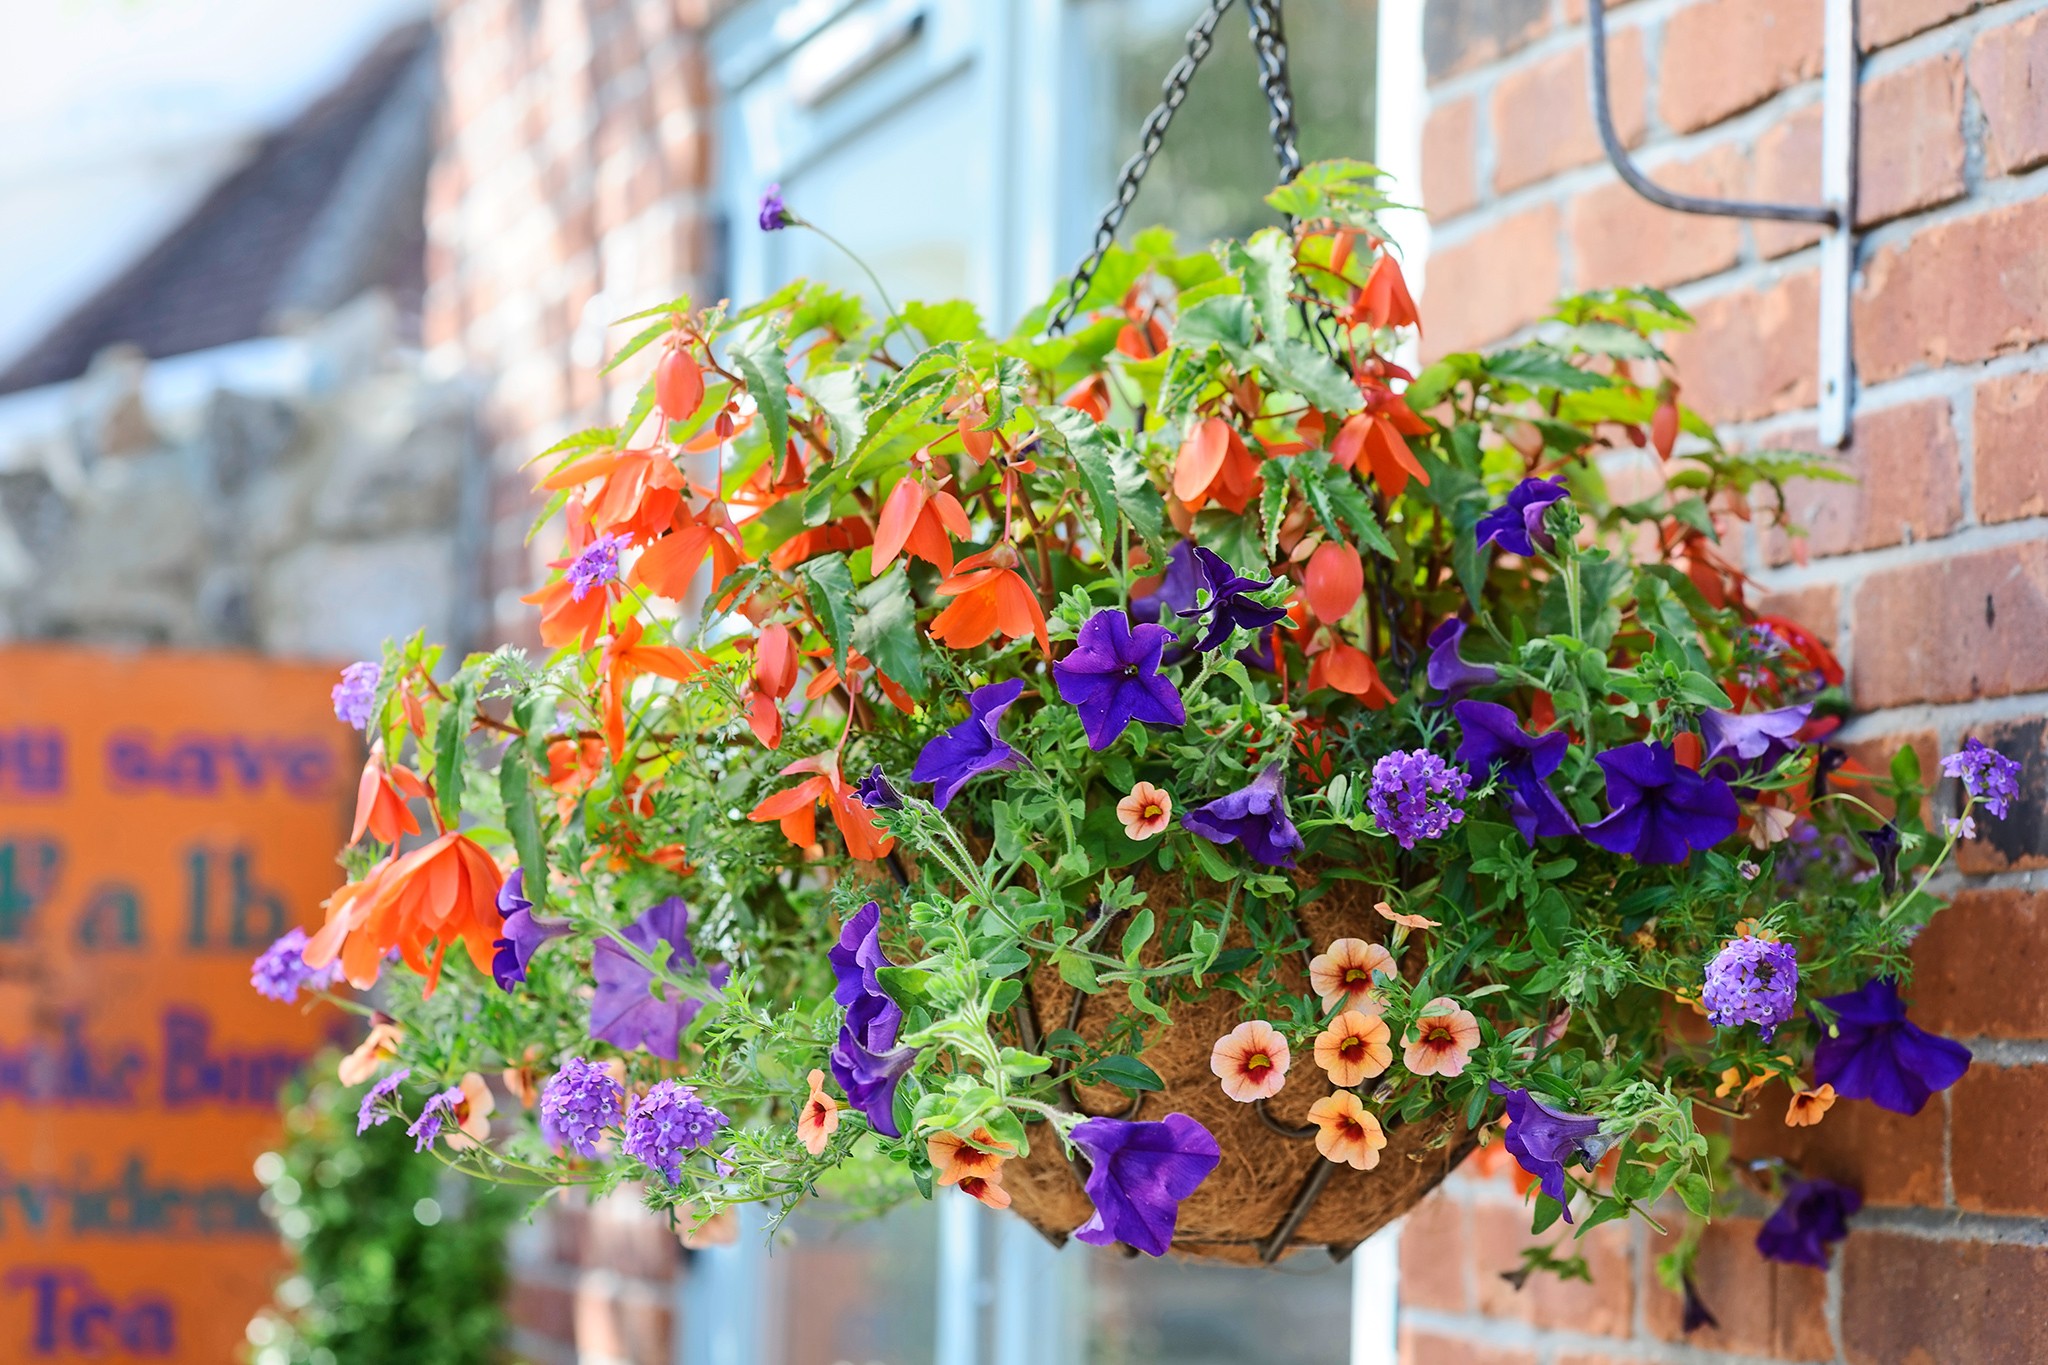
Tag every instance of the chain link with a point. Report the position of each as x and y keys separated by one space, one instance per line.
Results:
x=1269 y=43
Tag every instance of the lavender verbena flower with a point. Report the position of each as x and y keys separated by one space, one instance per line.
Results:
x=1138 y=1174
x=1448 y=672
x=1986 y=774
x=1875 y=1053
x=1230 y=606
x=1255 y=817
x=356 y=691
x=876 y=792
x=520 y=933
x=668 y=1123
x=1517 y=524
x=1661 y=809
x=373 y=1112
x=1544 y=1139
x=774 y=215
x=1416 y=795
x=971 y=748
x=435 y=1112
x=579 y=1102
x=280 y=971
x=596 y=565
x=1493 y=742
x=1752 y=981
x=626 y=1012
x=1757 y=647
x=1111 y=677
x=1813 y=1214
x=1959 y=826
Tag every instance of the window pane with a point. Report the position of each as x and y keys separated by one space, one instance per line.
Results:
x=1168 y=1312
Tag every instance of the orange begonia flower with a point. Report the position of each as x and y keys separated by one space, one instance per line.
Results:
x=1384 y=300
x=1387 y=912
x=818 y=1118
x=625 y=659
x=638 y=493
x=1251 y=1060
x=775 y=665
x=1343 y=973
x=989 y=597
x=1348 y=669
x=845 y=535
x=1355 y=1047
x=666 y=567
x=381 y=800
x=976 y=1165
x=1443 y=1039
x=920 y=519
x=565 y=618
x=1346 y=1131
x=795 y=808
x=1375 y=436
x=1214 y=464
x=428 y=898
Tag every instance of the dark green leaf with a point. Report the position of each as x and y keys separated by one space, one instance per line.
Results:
x=522 y=821
x=886 y=630
x=830 y=584
x=1125 y=1073
x=759 y=358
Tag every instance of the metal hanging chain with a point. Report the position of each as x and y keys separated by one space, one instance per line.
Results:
x=1269 y=42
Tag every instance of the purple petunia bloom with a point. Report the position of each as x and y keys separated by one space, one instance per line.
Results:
x=596 y=565
x=972 y=747
x=1751 y=744
x=866 y=1061
x=1752 y=981
x=1813 y=1214
x=1885 y=846
x=1177 y=589
x=1695 y=1314
x=578 y=1103
x=1138 y=1174
x=1493 y=741
x=1416 y=795
x=356 y=691
x=435 y=1112
x=280 y=971
x=1111 y=677
x=1517 y=524
x=1877 y=1054
x=1544 y=1140
x=1660 y=810
x=1230 y=607
x=521 y=933
x=372 y=1111
x=1255 y=816
x=626 y=1012
x=1986 y=774
x=667 y=1124
x=876 y=792
x=1448 y=672
x=775 y=215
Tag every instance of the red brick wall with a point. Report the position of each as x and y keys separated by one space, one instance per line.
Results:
x=1930 y=577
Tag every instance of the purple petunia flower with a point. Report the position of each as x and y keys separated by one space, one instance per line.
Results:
x=356 y=691
x=1751 y=744
x=1543 y=1140
x=775 y=215
x=1138 y=1175
x=373 y=1112
x=596 y=565
x=972 y=747
x=1813 y=1214
x=1111 y=677
x=1517 y=524
x=1416 y=795
x=1448 y=672
x=435 y=1112
x=1986 y=774
x=1493 y=741
x=1885 y=846
x=1752 y=981
x=1695 y=1314
x=667 y=1124
x=521 y=933
x=578 y=1103
x=1660 y=810
x=626 y=1012
x=1255 y=816
x=1877 y=1054
x=280 y=971
x=866 y=1061
x=1177 y=589
x=876 y=792
x=1230 y=607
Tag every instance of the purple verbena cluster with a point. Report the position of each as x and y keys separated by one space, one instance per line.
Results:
x=373 y=1111
x=356 y=691
x=595 y=566
x=666 y=1124
x=436 y=1111
x=579 y=1102
x=1752 y=981
x=1987 y=774
x=280 y=972
x=1416 y=795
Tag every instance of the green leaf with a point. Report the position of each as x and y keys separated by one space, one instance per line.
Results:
x=515 y=790
x=1125 y=1073
x=639 y=342
x=1273 y=503
x=1137 y=935
x=1696 y=1192
x=1536 y=366
x=1300 y=367
x=1077 y=972
x=886 y=630
x=1116 y=484
x=1238 y=539
x=760 y=360
x=1267 y=264
x=837 y=395
x=830 y=584
x=1610 y=338
x=449 y=736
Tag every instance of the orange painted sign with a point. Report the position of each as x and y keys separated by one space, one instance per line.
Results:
x=163 y=817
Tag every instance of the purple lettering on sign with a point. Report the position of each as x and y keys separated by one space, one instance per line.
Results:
x=70 y=1316
x=205 y=766
x=31 y=763
x=195 y=1073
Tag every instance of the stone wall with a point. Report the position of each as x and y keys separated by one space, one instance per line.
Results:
x=1930 y=577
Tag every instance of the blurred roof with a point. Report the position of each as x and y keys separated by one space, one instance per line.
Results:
x=329 y=205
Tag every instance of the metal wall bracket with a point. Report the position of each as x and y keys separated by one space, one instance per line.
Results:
x=1836 y=213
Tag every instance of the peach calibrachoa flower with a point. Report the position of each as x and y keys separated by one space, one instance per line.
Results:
x=1145 y=812
x=1354 y=1048
x=1346 y=1131
x=1251 y=1060
x=976 y=1165
x=1345 y=970
x=818 y=1118
x=472 y=1113
x=382 y=1042
x=1808 y=1107
x=1406 y=921
x=1442 y=1041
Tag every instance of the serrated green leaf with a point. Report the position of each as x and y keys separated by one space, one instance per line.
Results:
x=886 y=630
x=1267 y=265
x=1301 y=368
x=1273 y=503
x=1226 y=320
x=639 y=342
x=1536 y=366
x=949 y=320
x=837 y=395
x=522 y=821
x=759 y=358
x=449 y=736
x=830 y=583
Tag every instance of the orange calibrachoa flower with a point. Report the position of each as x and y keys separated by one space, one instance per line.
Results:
x=1145 y=812
x=975 y=1165
x=1809 y=1107
x=382 y=1044
x=1354 y=1048
x=430 y=897
x=920 y=519
x=1443 y=1039
x=472 y=1113
x=795 y=808
x=989 y=598
x=1214 y=464
x=1405 y=921
x=1251 y=1060
x=819 y=1118
x=381 y=800
x=1344 y=972
x=1346 y=1131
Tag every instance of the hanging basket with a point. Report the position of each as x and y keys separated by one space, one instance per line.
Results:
x=1273 y=1192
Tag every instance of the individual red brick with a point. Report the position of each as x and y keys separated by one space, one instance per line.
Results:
x=1752 y=351
x=1788 y=172
x=2011 y=464
x=1492 y=282
x=1621 y=238
x=1817 y=607
x=1908 y=480
x=1602 y=1308
x=2009 y=71
x=1432 y=1348
x=1450 y=172
x=1978 y=966
x=1953 y=629
x=1763 y=1308
x=1458 y=35
x=1965 y=290
x=1894 y=1159
x=1880 y=23
x=2019 y=841
x=1998 y=1116
x=1543 y=120
x=1909 y=140
x=1724 y=56
x=1909 y=1299
x=1435 y=1261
